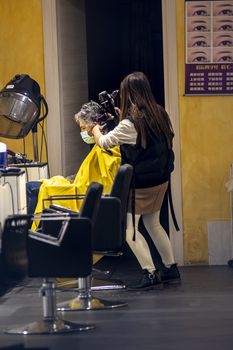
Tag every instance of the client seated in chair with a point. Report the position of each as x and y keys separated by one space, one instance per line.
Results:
x=98 y=166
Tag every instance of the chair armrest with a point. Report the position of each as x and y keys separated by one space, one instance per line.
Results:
x=67 y=197
x=63 y=197
x=39 y=236
x=60 y=208
x=51 y=221
x=46 y=238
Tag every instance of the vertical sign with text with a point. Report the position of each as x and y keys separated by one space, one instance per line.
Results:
x=209 y=47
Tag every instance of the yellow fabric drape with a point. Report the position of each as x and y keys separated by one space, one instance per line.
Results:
x=99 y=165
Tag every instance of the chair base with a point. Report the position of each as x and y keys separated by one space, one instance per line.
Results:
x=54 y=326
x=90 y=303
x=101 y=284
x=96 y=284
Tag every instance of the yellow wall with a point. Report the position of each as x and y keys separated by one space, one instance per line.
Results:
x=21 y=50
x=206 y=131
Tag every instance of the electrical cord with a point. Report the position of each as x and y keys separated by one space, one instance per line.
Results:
x=24 y=152
x=46 y=148
x=24 y=146
x=26 y=172
x=43 y=137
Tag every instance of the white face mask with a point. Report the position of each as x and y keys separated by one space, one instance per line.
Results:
x=87 y=138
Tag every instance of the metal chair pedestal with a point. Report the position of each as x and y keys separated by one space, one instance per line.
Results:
x=50 y=323
x=98 y=284
x=86 y=301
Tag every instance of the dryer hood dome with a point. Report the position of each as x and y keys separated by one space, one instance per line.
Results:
x=20 y=102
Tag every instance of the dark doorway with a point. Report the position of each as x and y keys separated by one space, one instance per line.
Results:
x=125 y=36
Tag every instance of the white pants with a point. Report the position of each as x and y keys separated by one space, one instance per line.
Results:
x=158 y=235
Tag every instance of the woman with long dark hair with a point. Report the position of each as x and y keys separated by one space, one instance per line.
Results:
x=145 y=135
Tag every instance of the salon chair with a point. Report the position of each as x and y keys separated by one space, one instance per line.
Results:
x=109 y=235
x=85 y=285
x=68 y=254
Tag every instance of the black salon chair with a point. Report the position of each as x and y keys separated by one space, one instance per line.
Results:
x=109 y=235
x=85 y=285
x=68 y=254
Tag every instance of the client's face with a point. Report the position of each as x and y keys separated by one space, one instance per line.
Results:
x=85 y=128
x=83 y=125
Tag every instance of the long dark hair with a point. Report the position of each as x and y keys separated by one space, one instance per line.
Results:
x=138 y=102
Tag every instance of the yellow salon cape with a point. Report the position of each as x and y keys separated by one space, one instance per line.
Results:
x=99 y=165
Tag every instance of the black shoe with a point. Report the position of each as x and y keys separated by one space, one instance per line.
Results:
x=149 y=280
x=170 y=275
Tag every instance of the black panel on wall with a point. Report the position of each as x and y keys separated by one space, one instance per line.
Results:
x=124 y=36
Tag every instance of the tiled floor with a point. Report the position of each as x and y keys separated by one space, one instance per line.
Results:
x=198 y=314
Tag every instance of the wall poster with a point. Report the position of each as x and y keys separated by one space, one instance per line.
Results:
x=209 y=47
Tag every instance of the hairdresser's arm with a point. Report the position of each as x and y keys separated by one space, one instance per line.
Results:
x=123 y=133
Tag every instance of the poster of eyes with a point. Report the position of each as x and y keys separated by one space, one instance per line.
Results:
x=209 y=47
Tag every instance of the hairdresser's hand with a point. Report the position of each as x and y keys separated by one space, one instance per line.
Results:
x=90 y=128
x=110 y=117
x=96 y=132
x=100 y=127
x=118 y=111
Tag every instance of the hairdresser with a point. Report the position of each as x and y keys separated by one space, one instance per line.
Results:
x=145 y=135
